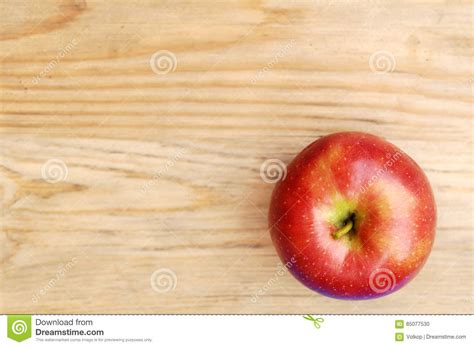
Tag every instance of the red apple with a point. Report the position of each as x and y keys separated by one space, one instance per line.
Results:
x=354 y=215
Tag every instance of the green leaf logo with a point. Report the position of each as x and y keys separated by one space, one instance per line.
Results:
x=19 y=327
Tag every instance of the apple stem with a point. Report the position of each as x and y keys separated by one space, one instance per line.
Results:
x=344 y=230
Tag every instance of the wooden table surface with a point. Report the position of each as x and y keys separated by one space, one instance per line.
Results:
x=133 y=135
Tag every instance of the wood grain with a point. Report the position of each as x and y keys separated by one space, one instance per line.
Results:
x=163 y=170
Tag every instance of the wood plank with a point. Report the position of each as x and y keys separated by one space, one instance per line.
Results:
x=163 y=170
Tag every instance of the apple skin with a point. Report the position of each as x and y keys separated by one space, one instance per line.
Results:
x=358 y=179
